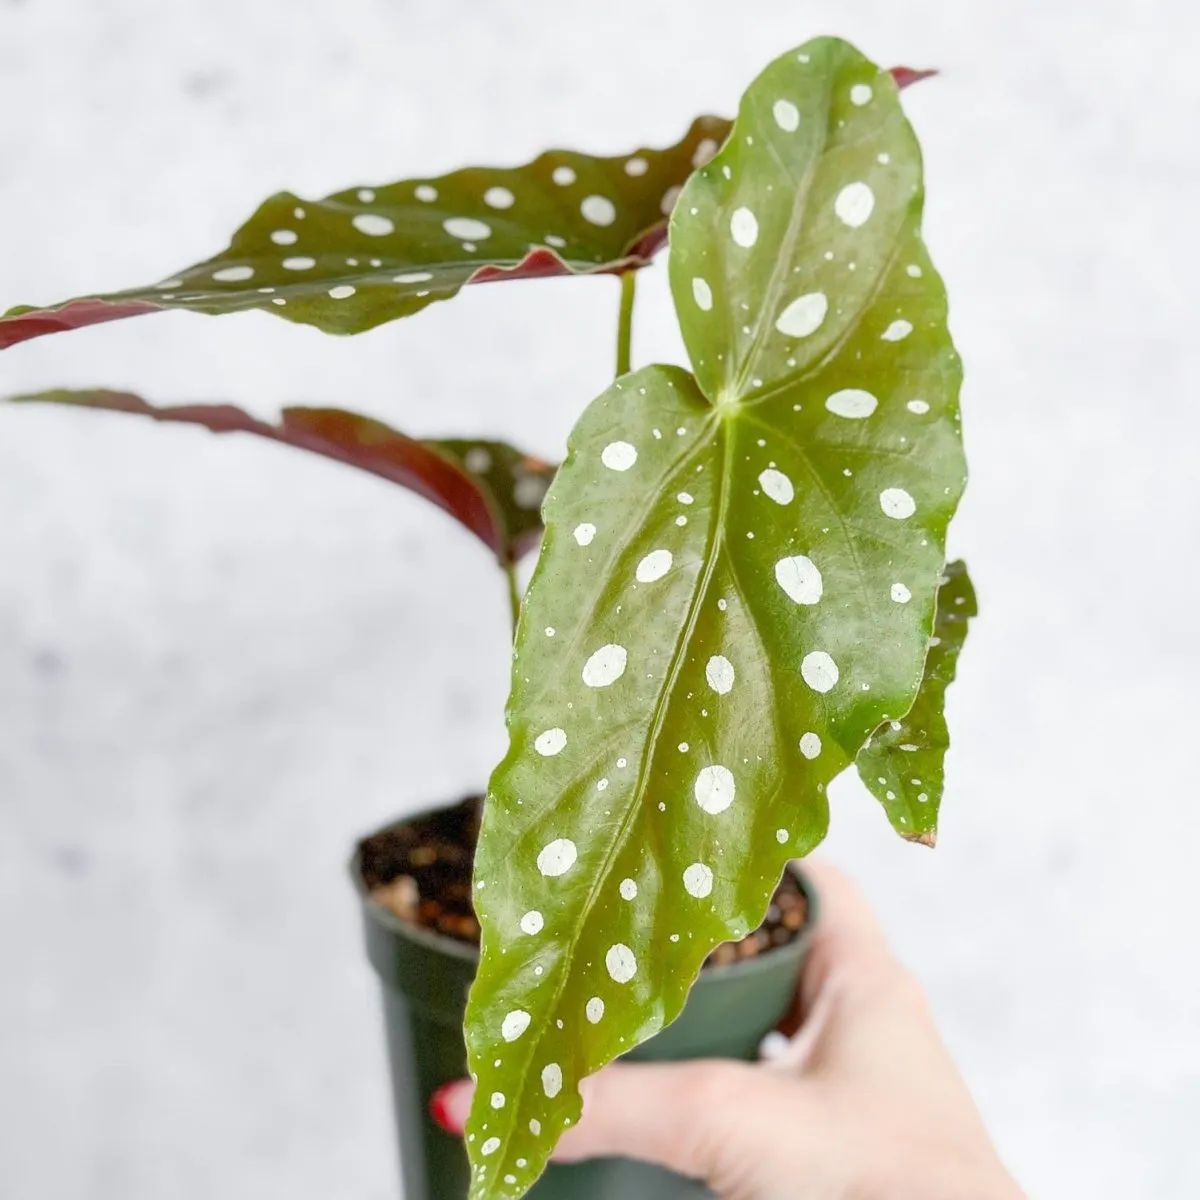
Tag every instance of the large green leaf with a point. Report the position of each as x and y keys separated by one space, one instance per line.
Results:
x=492 y=489
x=713 y=629
x=367 y=255
x=904 y=762
x=364 y=256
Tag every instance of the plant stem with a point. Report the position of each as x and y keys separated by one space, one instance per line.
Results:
x=625 y=321
x=514 y=596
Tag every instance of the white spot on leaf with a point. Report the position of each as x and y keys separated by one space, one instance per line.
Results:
x=490 y=1147
x=551 y=1083
x=413 y=277
x=618 y=456
x=426 y=194
x=654 y=566
x=852 y=403
x=743 y=226
x=810 y=745
x=819 y=671
x=636 y=166
x=467 y=228
x=900 y=593
x=917 y=406
x=529 y=492
x=342 y=292
x=897 y=503
x=787 y=115
x=702 y=294
x=720 y=674
x=532 y=922
x=550 y=743
x=715 y=789
x=800 y=578
x=300 y=263
x=373 y=224
x=861 y=94
x=598 y=210
x=514 y=1024
x=557 y=858
x=621 y=963
x=628 y=889
x=897 y=331
x=594 y=1010
x=283 y=237
x=584 y=533
x=854 y=204
x=698 y=881
x=777 y=486
x=498 y=197
x=233 y=274
x=563 y=176
x=804 y=315
x=606 y=666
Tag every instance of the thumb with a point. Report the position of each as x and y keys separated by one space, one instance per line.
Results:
x=678 y=1115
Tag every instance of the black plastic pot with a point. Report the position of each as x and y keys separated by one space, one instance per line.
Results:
x=425 y=979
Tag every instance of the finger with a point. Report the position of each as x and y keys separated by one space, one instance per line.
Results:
x=675 y=1115
x=450 y=1106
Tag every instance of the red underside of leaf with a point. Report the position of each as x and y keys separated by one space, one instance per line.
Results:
x=75 y=315
x=545 y=264
x=651 y=243
x=905 y=76
x=372 y=446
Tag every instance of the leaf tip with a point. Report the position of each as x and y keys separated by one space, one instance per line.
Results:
x=907 y=76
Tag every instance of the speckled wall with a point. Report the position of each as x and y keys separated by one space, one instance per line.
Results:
x=220 y=661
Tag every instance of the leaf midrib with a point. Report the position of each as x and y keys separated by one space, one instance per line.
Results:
x=664 y=692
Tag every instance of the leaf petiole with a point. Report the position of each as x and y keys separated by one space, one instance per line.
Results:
x=514 y=595
x=625 y=322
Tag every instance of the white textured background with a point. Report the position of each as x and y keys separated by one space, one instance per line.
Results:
x=220 y=662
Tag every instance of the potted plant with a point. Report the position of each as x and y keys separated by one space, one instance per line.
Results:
x=741 y=586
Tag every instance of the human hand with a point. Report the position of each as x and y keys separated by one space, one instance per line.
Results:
x=864 y=1103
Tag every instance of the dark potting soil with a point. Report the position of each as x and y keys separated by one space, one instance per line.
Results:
x=421 y=872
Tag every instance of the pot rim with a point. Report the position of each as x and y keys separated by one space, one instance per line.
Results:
x=453 y=948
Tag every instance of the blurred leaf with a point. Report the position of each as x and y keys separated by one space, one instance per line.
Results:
x=904 y=762
x=514 y=484
x=712 y=630
x=365 y=256
x=492 y=489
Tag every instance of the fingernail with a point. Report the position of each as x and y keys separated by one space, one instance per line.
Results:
x=443 y=1110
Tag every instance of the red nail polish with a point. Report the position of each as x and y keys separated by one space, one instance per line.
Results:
x=439 y=1110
